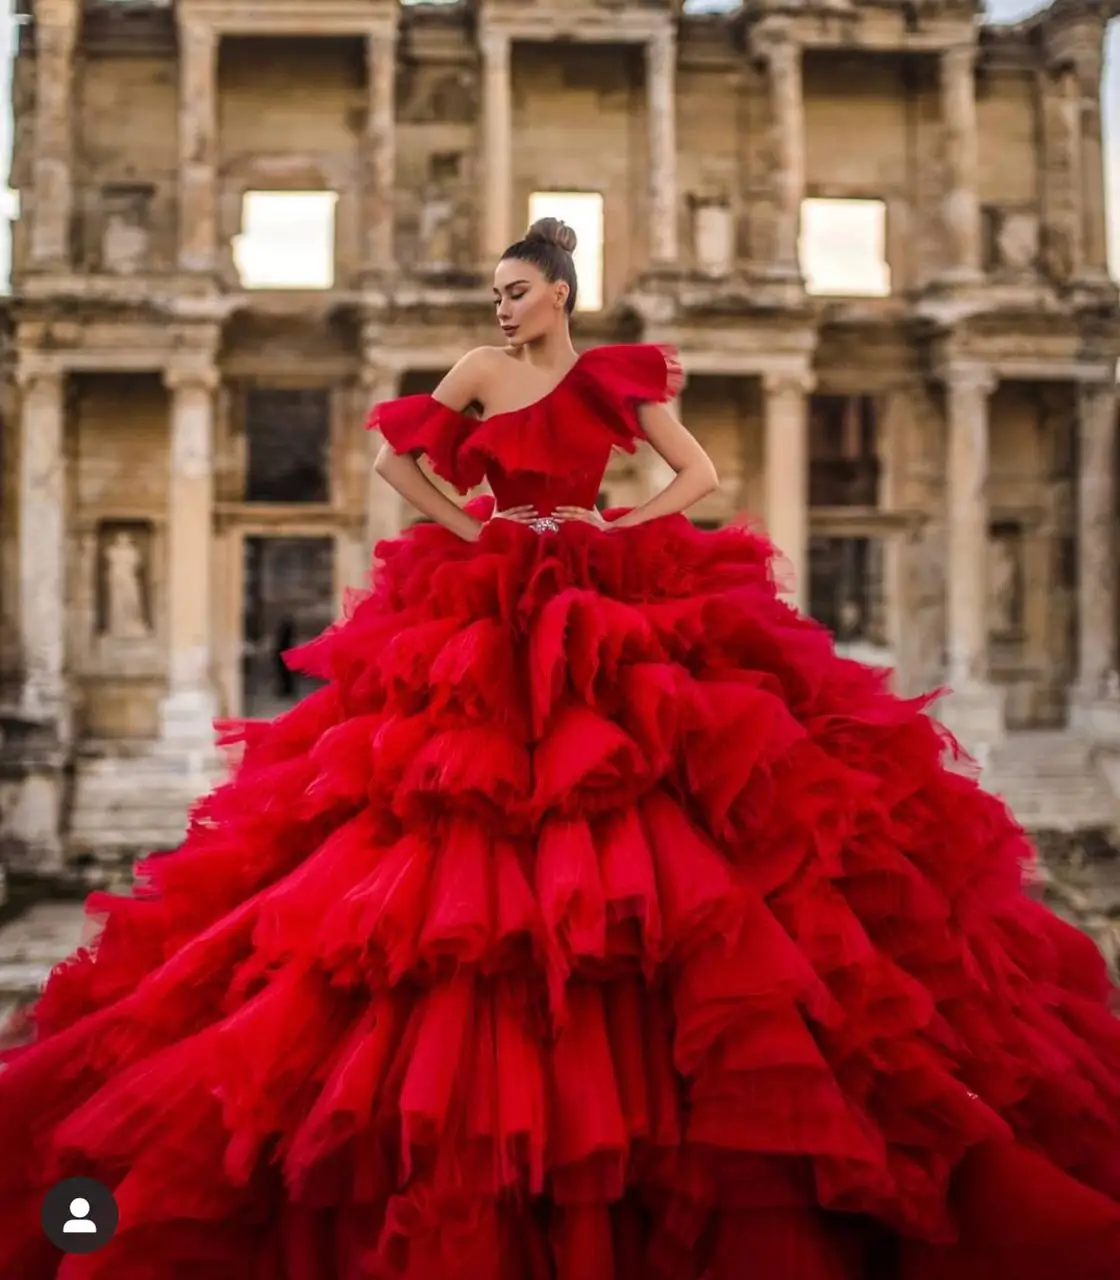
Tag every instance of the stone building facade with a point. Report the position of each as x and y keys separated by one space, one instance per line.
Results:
x=186 y=481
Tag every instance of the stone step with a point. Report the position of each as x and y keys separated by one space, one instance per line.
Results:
x=31 y=946
x=1051 y=780
x=126 y=803
x=161 y=819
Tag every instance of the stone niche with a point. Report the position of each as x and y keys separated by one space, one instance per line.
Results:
x=713 y=236
x=443 y=238
x=1012 y=241
x=1006 y=605
x=124 y=228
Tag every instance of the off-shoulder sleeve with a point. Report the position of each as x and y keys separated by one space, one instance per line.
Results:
x=639 y=372
x=422 y=424
x=626 y=376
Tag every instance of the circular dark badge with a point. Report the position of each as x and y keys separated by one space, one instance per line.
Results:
x=79 y=1215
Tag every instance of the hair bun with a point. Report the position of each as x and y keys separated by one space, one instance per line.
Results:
x=553 y=231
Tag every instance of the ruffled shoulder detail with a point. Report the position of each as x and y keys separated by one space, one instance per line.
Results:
x=592 y=410
x=423 y=424
x=635 y=373
x=615 y=381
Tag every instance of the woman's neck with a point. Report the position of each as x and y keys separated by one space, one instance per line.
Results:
x=553 y=351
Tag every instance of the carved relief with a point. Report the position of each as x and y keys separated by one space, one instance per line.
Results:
x=124 y=580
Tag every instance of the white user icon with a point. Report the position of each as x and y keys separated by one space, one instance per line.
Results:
x=79 y=1207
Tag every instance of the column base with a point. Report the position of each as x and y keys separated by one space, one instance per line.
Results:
x=975 y=717
x=186 y=720
x=49 y=705
x=1095 y=713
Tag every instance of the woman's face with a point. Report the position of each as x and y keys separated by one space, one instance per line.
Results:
x=528 y=305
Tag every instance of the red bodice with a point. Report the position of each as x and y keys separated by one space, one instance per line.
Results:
x=550 y=453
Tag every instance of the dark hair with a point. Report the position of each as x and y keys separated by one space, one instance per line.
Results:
x=548 y=245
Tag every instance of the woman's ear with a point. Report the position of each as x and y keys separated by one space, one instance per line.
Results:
x=562 y=292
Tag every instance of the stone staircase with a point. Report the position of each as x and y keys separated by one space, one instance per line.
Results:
x=1052 y=781
x=31 y=945
x=128 y=804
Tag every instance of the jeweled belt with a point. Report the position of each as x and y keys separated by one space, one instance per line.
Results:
x=544 y=524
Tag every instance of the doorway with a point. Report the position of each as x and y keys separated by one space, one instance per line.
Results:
x=288 y=596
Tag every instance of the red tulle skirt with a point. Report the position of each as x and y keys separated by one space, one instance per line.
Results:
x=593 y=921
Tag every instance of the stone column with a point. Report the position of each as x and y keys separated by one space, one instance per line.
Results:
x=961 y=206
x=1096 y=525
x=787 y=122
x=1061 y=179
x=198 y=146
x=190 y=706
x=381 y=149
x=974 y=711
x=1094 y=220
x=786 y=417
x=385 y=509
x=42 y=542
x=661 y=76
x=56 y=25
x=497 y=142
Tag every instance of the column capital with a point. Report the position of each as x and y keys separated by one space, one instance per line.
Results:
x=380 y=380
x=968 y=375
x=201 y=373
x=777 y=382
x=495 y=42
x=661 y=42
x=202 y=35
x=57 y=14
x=774 y=40
x=38 y=367
x=959 y=59
x=381 y=40
x=1076 y=46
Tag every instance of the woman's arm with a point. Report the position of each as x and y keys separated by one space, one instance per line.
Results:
x=459 y=388
x=696 y=473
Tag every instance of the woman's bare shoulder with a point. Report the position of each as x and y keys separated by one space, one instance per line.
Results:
x=470 y=376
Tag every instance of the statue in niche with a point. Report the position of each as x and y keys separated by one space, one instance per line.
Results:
x=437 y=226
x=850 y=621
x=713 y=237
x=443 y=230
x=1005 y=604
x=1017 y=242
x=124 y=571
x=125 y=229
x=124 y=246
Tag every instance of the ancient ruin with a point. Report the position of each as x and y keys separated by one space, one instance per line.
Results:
x=186 y=481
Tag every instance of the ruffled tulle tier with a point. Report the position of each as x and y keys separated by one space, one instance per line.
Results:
x=594 y=920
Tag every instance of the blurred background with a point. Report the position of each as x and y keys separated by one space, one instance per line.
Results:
x=879 y=233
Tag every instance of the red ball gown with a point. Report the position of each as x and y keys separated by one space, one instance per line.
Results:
x=594 y=920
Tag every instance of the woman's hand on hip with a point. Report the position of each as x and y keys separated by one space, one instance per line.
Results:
x=583 y=515
x=519 y=515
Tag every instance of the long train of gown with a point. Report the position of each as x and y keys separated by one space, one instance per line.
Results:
x=594 y=920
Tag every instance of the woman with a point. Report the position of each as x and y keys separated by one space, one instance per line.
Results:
x=594 y=921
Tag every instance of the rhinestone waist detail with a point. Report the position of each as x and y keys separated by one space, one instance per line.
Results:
x=544 y=524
